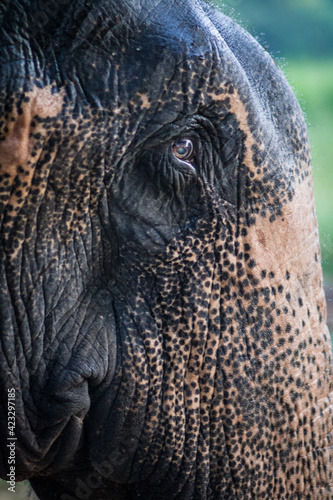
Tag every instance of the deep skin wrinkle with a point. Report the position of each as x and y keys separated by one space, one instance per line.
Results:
x=162 y=315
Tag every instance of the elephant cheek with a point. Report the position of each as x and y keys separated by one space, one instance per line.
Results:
x=22 y=139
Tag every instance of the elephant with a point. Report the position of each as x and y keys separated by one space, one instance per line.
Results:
x=163 y=321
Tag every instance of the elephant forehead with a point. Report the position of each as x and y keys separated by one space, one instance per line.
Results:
x=148 y=68
x=114 y=97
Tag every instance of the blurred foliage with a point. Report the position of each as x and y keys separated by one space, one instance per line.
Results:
x=22 y=492
x=292 y=28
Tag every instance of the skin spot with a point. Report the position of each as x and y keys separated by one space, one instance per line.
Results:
x=46 y=104
x=238 y=107
x=14 y=146
x=145 y=104
x=261 y=238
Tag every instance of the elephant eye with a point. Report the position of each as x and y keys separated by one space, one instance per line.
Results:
x=183 y=150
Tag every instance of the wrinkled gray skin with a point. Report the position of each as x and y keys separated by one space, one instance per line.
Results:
x=162 y=314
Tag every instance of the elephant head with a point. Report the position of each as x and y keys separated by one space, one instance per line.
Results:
x=162 y=310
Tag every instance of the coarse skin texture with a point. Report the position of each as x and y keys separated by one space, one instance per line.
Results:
x=162 y=319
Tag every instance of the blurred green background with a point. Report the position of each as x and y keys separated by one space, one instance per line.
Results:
x=299 y=35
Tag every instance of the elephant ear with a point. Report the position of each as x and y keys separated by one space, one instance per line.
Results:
x=280 y=232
